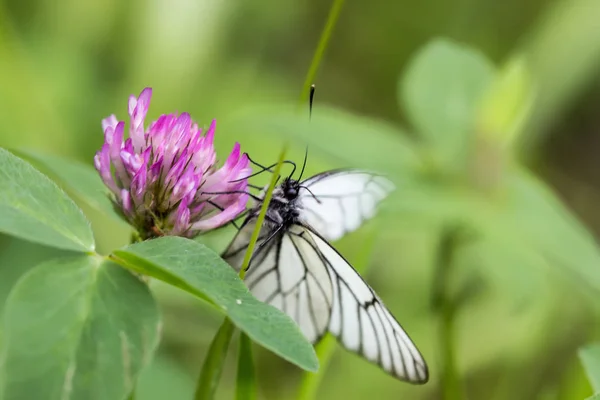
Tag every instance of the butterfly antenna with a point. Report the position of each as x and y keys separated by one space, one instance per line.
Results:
x=303 y=164
x=252 y=196
x=310 y=107
x=255 y=163
x=311 y=193
x=293 y=169
x=263 y=169
x=310 y=101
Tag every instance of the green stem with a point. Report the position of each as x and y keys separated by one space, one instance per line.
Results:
x=245 y=388
x=445 y=306
x=311 y=381
x=213 y=365
x=332 y=19
x=263 y=212
x=325 y=349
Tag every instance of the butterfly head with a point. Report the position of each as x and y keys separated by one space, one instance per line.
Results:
x=290 y=188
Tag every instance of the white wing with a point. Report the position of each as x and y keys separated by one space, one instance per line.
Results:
x=337 y=202
x=287 y=272
x=363 y=324
x=298 y=272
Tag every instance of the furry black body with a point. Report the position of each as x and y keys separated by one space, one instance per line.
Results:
x=284 y=209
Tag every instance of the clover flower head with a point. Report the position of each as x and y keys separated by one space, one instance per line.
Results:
x=164 y=177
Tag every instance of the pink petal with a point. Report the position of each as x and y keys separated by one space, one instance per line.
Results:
x=116 y=144
x=182 y=218
x=126 y=202
x=102 y=164
x=110 y=121
x=138 y=108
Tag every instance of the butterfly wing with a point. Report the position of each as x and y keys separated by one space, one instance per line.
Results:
x=361 y=321
x=337 y=202
x=297 y=271
x=287 y=271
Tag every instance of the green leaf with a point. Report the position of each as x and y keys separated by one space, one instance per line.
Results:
x=353 y=140
x=76 y=328
x=423 y=201
x=32 y=207
x=590 y=358
x=82 y=179
x=16 y=259
x=198 y=270
x=246 y=376
x=440 y=92
x=594 y=397
x=536 y=216
x=524 y=216
x=507 y=103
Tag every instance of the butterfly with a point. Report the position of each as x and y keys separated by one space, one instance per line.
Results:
x=295 y=269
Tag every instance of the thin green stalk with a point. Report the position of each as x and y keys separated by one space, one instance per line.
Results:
x=245 y=388
x=213 y=363
x=325 y=349
x=450 y=381
x=212 y=368
x=445 y=307
x=332 y=19
x=263 y=213
x=311 y=381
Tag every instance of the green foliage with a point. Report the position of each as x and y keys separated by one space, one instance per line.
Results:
x=34 y=208
x=563 y=61
x=59 y=73
x=536 y=217
x=76 y=328
x=507 y=103
x=198 y=270
x=81 y=179
x=525 y=216
x=441 y=92
x=590 y=358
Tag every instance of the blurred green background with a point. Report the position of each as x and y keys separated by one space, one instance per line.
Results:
x=65 y=65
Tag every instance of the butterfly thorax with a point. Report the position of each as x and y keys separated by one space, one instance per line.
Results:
x=284 y=208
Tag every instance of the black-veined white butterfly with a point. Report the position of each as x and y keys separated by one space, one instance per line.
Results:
x=295 y=269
